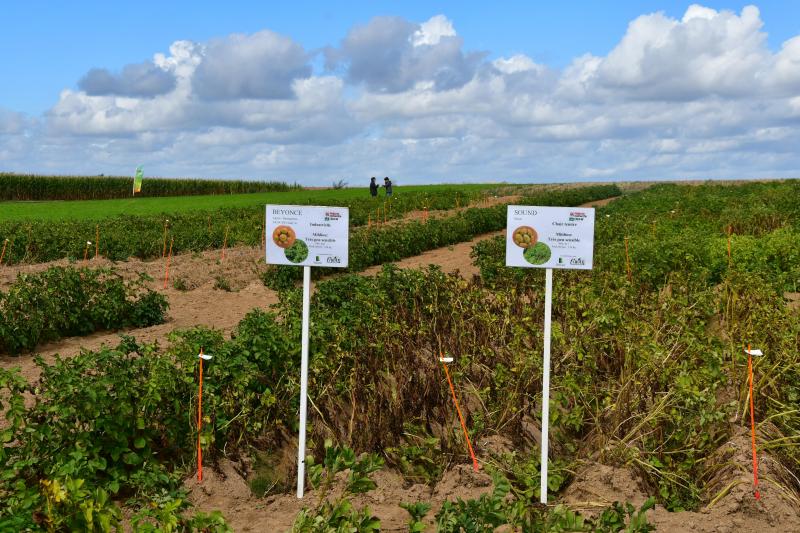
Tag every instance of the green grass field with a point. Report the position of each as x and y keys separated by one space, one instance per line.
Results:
x=99 y=209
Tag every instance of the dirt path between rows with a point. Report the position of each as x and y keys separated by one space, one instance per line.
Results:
x=450 y=258
x=202 y=305
x=455 y=258
x=218 y=292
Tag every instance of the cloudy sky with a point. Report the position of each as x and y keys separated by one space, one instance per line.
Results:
x=423 y=92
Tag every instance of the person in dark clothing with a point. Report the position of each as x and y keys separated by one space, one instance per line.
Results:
x=387 y=184
x=373 y=187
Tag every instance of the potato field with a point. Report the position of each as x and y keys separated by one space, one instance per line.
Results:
x=649 y=406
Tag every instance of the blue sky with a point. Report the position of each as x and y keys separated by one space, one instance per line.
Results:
x=492 y=89
x=47 y=46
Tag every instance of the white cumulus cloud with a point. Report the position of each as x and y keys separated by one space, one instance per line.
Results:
x=431 y=31
x=697 y=96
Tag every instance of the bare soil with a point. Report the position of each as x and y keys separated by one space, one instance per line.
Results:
x=228 y=491
x=792 y=300
x=453 y=258
x=729 y=504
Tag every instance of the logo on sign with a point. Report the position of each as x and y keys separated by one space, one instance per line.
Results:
x=332 y=215
x=576 y=215
x=577 y=261
x=334 y=259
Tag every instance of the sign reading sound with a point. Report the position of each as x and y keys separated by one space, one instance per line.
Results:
x=550 y=237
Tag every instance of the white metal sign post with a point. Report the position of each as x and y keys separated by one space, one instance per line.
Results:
x=549 y=237
x=306 y=236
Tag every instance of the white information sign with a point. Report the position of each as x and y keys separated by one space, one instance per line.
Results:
x=550 y=237
x=306 y=236
x=303 y=235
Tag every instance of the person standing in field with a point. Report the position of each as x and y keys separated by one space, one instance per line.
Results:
x=387 y=184
x=373 y=187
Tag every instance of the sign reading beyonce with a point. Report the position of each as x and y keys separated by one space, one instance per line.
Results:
x=304 y=235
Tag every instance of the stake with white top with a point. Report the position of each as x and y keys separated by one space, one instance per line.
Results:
x=750 y=353
x=202 y=357
x=444 y=360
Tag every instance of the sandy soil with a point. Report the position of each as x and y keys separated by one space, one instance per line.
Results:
x=226 y=489
x=450 y=259
x=792 y=300
x=729 y=503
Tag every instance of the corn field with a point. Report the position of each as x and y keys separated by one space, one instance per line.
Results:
x=17 y=187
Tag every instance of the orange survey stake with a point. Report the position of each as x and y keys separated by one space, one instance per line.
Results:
x=166 y=269
x=202 y=357
x=458 y=410
x=200 y=421
x=224 y=243
x=753 y=423
x=628 y=262
x=3 y=253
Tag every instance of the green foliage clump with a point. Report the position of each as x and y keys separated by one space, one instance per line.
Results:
x=338 y=514
x=168 y=512
x=503 y=506
x=418 y=457
x=121 y=419
x=222 y=283
x=60 y=302
x=108 y=424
